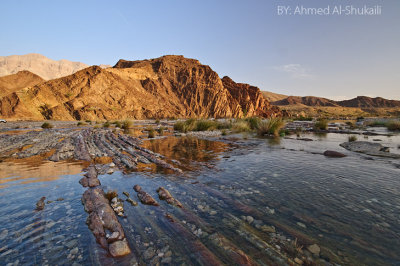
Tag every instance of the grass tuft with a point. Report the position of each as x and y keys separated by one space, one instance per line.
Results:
x=47 y=125
x=271 y=127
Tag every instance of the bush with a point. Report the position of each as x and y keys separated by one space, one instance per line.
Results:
x=254 y=122
x=157 y=121
x=240 y=126
x=224 y=132
x=352 y=138
x=81 y=124
x=151 y=133
x=127 y=124
x=321 y=125
x=271 y=127
x=47 y=125
x=106 y=124
x=117 y=124
x=377 y=123
x=160 y=130
x=393 y=125
x=185 y=126
x=204 y=125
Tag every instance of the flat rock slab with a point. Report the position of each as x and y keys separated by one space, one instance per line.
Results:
x=370 y=148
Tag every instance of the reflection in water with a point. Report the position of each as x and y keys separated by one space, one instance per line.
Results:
x=191 y=152
x=31 y=171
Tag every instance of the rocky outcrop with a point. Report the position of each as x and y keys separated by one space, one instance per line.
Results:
x=250 y=99
x=169 y=86
x=369 y=148
x=20 y=80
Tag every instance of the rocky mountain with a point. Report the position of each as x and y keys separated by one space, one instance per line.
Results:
x=368 y=102
x=169 y=86
x=250 y=99
x=38 y=64
x=15 y=82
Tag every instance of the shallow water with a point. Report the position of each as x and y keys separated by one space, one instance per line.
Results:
x=349 y=206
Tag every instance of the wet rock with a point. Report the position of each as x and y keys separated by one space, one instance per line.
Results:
x=314 y=249
x=60 y=199
x=166 y=260
x=145 y=197
x=72 y=243
x=40 y=204
x=101 y=218
x=334 y=154
x=126 y=194
x=119 y=248
x=165 y=195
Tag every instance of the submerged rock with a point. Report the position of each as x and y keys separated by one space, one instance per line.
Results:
x=119 y=248
x=334 y=154
x=145 y=197
x=314 y=249
x=40 y=204
x=165 y=195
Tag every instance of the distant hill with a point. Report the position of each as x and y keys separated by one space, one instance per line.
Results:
x=306 y=100
x=368 y=102
x=20 y=80
x=273 y=97
x=39 y=65
x=169 y=86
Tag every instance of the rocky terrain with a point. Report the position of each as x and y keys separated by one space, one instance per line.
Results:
x=39 y=65
x=169 y=86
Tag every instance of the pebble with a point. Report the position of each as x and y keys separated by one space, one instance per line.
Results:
x=149 y=253
x=301 y=225
x=74 y=251
x=166 y=260
x=298 y=261
x=72 y=243
x=3 y=234
x=268 y=229
x=249 y=219
x=314 y=249
x=213 y=212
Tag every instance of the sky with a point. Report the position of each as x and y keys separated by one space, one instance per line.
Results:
x=333 y=56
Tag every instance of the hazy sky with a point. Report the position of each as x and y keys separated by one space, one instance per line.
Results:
x=333 y=56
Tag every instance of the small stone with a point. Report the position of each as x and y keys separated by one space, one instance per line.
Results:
x=166 y=260
x=149 y=253
x=298 y=261
x=60 y=199
x=110 y=171
x=301 y=225
x=314 y=249
x=3 y=234
x=119 y=248
x=160 y=254
x=112 y=165
x=213 y=212
x=168 y=254
x=72 y=243
x=249 y=219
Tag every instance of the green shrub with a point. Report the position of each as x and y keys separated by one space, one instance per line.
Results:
x=254 y=122
x=352 y=138
x=224 y=132
x=240 y=126
x=185 y=126
x=81 y=124
x=117 y=124
x=393 y=125
x=321 y=125
x=160 y=131
x=157 y=121
x=204 y=125
x=271 y=127
x=127 y=124
x=151 y=133
x=377 y=123
x=68 y=95
x=106 y=124
x=47 y=125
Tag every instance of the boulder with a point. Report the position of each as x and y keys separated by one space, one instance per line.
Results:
x=334 y=154
x=119 y=248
